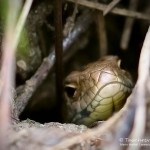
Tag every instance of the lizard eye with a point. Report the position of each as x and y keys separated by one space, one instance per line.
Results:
x=70 y=90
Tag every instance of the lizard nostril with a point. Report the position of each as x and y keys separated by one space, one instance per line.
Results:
x=70 y=91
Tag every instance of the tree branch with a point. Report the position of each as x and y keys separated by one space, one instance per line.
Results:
x=117 y=11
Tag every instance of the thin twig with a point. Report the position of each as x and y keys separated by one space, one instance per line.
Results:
x=18 y=29
x=128 y=26
x=58 y=53
x=70 y=21
x=142 y=89
x=103 y=46
x=7 y=73
x=110 y=7
x=8 y=63
x=117 y=11
x=21 y=21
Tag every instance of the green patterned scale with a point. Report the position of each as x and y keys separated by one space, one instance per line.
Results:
x=97 y=91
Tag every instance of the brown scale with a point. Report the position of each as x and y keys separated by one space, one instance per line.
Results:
x=96 y=91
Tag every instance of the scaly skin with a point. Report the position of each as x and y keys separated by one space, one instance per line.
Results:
x=96 y=91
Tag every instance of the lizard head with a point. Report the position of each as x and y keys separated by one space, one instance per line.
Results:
x=96 y=91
